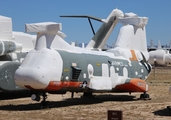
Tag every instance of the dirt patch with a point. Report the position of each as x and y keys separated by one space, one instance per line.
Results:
x=62 y=107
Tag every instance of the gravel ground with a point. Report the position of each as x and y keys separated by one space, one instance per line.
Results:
x=63 y=107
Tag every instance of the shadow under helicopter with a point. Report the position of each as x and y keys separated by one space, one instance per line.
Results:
x=69 y=102
x=6 y=95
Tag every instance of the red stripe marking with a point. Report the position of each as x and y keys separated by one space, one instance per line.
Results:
x=57 y=85
x=135 y=85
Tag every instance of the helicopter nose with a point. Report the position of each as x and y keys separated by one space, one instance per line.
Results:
x=31 y=77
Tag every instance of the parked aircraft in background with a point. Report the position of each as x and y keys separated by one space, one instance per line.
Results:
x=13 y=48
x=152 y=46
x=54 y=66
x=160 y=56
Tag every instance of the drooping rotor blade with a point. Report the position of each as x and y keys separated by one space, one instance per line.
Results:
x=85 y=16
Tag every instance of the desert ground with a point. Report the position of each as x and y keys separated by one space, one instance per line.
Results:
x=63 y=107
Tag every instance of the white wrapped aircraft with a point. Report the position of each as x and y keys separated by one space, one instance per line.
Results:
x=13 y=48
x=54 y=66
x=160 y=56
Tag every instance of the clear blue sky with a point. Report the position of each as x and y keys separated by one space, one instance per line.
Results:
x=31 y=11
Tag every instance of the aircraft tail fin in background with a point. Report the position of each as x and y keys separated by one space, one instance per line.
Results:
x=159 y=45
x=101 y=36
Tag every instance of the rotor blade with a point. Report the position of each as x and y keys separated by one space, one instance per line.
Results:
x=84 y=16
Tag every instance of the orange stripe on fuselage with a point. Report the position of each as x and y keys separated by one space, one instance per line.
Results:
x=57 y=85
x=135 y=85
x=134 y=57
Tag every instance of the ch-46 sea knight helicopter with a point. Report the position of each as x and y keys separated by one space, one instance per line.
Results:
x=54 y=66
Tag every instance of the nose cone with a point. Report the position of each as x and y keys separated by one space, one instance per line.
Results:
x=31 y=77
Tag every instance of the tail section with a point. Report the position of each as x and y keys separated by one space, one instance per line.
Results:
x=101 y=36
x=133 y=34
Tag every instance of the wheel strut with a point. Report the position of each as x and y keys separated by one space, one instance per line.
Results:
x=44 y=102
x=145 y=96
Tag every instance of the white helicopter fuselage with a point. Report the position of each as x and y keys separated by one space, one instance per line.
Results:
x=51 y=70
x=55 y=66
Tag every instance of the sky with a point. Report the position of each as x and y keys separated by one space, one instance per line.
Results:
x=78 y=29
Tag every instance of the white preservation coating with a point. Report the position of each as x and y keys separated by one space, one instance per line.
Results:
x=136 y=21
x=24 y=42
x=27 y=41
x=5 y=27
x=160 y=56
x=131 y=38
x=157 y=56
x=39 y=68
x=115 y=13
x=42 y=69
x=42 y=64
x=43 y=27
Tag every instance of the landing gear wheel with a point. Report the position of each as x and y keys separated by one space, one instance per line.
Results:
x=145 y=96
